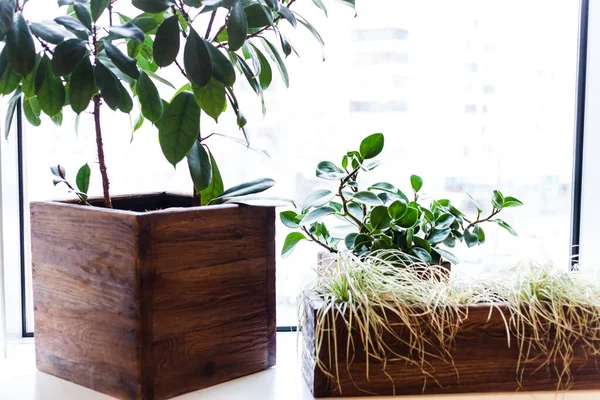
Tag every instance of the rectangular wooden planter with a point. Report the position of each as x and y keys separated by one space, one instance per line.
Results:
x=148 y=305
x=482 y=358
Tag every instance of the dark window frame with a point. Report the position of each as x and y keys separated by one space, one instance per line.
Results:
x=577 y=184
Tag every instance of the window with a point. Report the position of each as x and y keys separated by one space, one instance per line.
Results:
x=375 y=65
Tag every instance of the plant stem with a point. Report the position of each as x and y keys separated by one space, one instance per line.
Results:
x=181 y=69
x=100 y=146
x=478 y=221
x=110 y=10
x=210 y=24
x=317 y=241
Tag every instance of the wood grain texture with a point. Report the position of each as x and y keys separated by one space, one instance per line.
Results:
x=84 y=291
x=150 y=305
x=483 y=362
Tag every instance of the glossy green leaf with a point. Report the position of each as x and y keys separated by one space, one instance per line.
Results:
x=253 y=187
x=221 y=66
x=237 y=27
x=371 y=146
x=97 y=7
x=510 y=201
x=197 y=60
x=471 y=239
x=83 y=178
x=312 y=30
x=20 y=46
x=49 y=89
x=266 y=73
x=179 y=127
x=477 y=230
x=67 y=55
x=380 y=218
x=146 y=24
x=153 y=6
x=108 y=84
x=498 y=200
x=447 y=255
x=167 y=42
x=152 y=106
x=409 y=218
x=216 y=183
x=7 y=11
x=211 y=98
x=416 y=182
x=54 y=34
x=249 y=74
x=10 y=111
x=32 y=111
x=274 y=54
x=83 y=80
x=288 y=15
x=422 y=243
x=397 y=209
x=367 y=198
x=125 y=63
x=475 y=203
x=9 y=79
x=83 y=15
x=126 y=103
x=290 y=243
x=200 y=166
x=317 y=198
x=74 y=26
x=506 y=226
x=422 y=254
x=318 y=214
x=330 y=171
x=350 y=240
x=444 y=221
x=126 y=31
x=289 y=219
x=258 y=15
x=321 y=6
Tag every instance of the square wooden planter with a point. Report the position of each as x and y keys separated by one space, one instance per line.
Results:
x=482 y=358
x=148 y=305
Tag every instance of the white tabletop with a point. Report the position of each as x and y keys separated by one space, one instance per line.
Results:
x=19 y=380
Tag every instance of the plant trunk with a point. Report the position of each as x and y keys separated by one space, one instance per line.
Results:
x=197 y=198
x=100 y=146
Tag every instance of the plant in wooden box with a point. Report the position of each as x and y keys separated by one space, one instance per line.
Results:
x=387 y=323
x=383 y=216
x=154 y=298
x=384 y=318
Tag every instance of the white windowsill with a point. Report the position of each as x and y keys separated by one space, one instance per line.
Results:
x=19 y=380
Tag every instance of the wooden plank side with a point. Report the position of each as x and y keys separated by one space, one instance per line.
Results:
x=483 y=362
x=271 y=288
x=224 y=235
x=84 y=282
x=212 y=291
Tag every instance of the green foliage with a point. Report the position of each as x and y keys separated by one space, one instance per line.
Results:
x=382 y=217
x=81 y=58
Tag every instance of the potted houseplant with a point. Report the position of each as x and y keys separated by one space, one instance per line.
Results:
x=150 y=296
x=383 y=216
x=384 y=317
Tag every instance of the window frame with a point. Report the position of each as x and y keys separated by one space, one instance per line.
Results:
x=584 y=186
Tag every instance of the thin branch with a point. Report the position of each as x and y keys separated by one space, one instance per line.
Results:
x=100 y=147
x=210 y=24
x=82 y=198
x=317 y=241
x=181 y=69
x=202 y=139
x=478 y=221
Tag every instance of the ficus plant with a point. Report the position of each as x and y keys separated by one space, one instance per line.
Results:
x=94 y=57
x=383 y=217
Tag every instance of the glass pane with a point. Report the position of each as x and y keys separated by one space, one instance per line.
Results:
x=473 y=96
